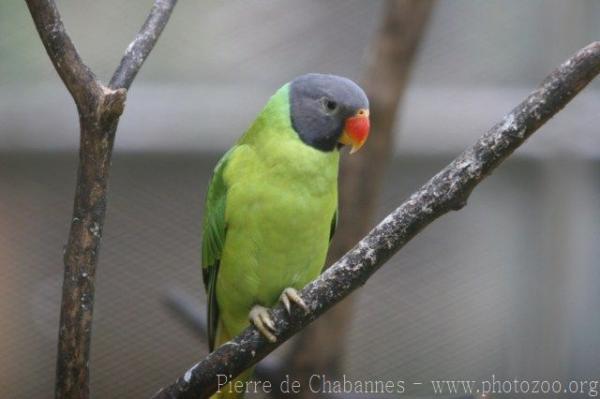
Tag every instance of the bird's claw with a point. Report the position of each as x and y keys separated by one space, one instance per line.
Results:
x=260 y=317
x=290 y=295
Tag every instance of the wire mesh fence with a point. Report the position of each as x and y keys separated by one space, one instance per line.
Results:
x=452 y=304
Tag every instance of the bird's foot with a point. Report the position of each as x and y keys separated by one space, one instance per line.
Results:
x=289 y=296
x=260 y=317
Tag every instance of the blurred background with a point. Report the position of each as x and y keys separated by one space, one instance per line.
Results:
x=507 y=286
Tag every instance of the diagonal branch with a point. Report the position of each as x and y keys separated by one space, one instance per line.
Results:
x=99 y=110
x=140 y=47
x=446 y=191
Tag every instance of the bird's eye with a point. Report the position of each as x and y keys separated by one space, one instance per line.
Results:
x=330 y=105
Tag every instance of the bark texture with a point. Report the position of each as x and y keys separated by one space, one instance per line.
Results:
x=99 y=109
x=446 y=191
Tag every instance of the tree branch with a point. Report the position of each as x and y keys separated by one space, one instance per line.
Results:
x=446 y=191
x=140 y=47
x=189 y=311
x=99 y=110
x=77 y=77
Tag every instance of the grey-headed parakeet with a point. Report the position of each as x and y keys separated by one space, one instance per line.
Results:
x=271 y=206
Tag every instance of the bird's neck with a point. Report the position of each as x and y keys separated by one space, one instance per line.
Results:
x=283 y=152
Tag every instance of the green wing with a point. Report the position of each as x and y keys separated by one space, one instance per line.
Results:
x=334 y=223
x=213 y=239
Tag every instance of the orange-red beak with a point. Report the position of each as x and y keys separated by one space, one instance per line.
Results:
x=356 y=130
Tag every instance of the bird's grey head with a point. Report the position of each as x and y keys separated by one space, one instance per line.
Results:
x=328 y=111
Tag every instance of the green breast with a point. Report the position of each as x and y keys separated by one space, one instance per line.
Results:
x=281 y=198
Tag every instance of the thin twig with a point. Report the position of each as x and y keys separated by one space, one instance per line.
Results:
x=446 y=191
x=99 y=110
x=140 y=47
x=188 y=310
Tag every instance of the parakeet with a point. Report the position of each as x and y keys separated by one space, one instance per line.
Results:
x=271 y=206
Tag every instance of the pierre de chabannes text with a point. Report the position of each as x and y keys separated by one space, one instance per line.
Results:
x=321 y=383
